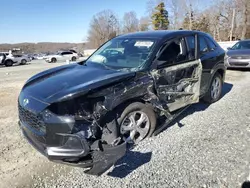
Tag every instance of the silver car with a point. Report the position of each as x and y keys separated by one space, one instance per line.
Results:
x=238 y=56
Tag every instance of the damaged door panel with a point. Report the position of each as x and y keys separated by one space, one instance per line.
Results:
x=178 y=85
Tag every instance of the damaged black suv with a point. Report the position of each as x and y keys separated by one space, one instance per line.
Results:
x=84 y=114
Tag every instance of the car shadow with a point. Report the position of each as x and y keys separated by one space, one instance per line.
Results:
x=130 y=162
x=239 y=69
x=15 y=65
x=227 y=87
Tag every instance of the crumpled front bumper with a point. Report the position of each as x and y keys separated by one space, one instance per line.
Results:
x=96 y=158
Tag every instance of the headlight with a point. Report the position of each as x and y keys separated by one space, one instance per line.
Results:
x=226 y=57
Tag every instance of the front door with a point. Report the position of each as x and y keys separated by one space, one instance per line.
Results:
x=178 y=74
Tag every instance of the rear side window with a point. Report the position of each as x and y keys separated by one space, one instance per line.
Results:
x=190 y=47
x=67 y=53
x=211 y=44
x=203 y=45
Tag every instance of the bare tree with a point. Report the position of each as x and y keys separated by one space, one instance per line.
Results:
x=245 y=17
x=191 y=6
x=103 y=26
x=232 y=26
x=176 y=12
x=144 y=24
x=130 y=22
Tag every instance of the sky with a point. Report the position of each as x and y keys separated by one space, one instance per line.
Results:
x=60 y=20
x=56 y=20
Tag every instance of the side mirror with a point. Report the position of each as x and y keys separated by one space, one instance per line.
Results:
x=229 y=48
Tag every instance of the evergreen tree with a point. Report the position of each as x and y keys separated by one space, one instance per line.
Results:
x=160 y=17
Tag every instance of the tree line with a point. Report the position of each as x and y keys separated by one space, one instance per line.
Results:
x=223 y=19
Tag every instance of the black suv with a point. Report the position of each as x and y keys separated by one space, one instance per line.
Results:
x=85 y=114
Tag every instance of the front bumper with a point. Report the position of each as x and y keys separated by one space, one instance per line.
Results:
x=237 y=63
x=75 y=147
x=59 y=144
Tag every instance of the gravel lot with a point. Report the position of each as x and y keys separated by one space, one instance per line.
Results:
x=207 y=146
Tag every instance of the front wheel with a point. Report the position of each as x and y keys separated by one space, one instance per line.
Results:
x=215 y=89
x=8 y=63
x=137 y=122
x=73 y=58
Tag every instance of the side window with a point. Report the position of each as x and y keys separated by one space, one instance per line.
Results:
x=211 y=44
x=190 y=47
x=66 y=53
x=173 y=52
x=203 y=45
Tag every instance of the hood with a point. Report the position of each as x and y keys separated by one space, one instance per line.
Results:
x=71 y=80
x=238 y=52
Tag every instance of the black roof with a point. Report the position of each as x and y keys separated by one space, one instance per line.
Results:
x=160 y=34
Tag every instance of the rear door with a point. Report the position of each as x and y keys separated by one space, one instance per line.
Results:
x=67 y=55
x=178 y=74
x=209 y=57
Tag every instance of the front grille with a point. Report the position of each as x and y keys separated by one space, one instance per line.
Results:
x=238 y=64
x=240 y=57
x=31 y=119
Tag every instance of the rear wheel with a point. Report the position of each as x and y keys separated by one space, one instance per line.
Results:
x=137 y=122
x=23 y=62
x=8 y=63
x=215 y=89
x=53 y=60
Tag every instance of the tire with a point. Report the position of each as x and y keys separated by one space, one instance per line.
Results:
x=53 y=60
x=8 y=63
x=137 y=108
x=209 y=97
x=73 y=58
x=23 y=62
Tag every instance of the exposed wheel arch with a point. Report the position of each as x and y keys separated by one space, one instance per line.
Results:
x=222 y=73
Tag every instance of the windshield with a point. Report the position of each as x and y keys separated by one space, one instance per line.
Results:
x=121 y=53
x=241 y=45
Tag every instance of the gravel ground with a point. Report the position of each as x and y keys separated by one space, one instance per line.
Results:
x=207 y=146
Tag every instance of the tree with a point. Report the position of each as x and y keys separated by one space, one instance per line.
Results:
x=176 y=12
x=103 y=26
x=160 y=17
x=130 y=22
x=188 y=21
x=245 y=17
x=144 y=24
x=202 y=23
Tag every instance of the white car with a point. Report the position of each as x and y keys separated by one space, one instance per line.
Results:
x=15 y=59
x=62 y=56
